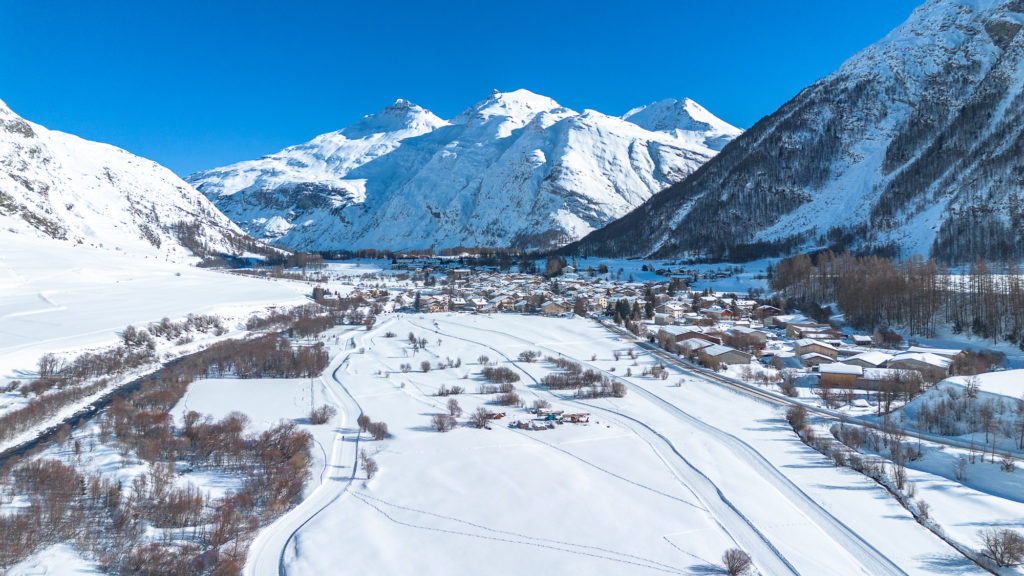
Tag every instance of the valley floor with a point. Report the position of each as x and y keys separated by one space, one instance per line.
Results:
x=661 y=481
x=55 y=298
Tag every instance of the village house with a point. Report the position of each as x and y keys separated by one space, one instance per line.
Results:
x=673 y=309
x=433 y=305
x=872 y=378
x=744 y=306
x=726 y=355
x=801 y=330
x=717 y=312
x=765 y=313
x=932 y=366
x=862 y=340
x=681 y=333
x=836 y=375
x=815 y=359
x=760 y=338
x=872 y=359
x=691 y=345
x=945 y=352
x=807 y=346
x=552 y=308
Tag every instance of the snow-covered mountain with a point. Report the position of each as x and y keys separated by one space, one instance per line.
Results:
x=516 y=169
x=60 y=186
x=915 y=145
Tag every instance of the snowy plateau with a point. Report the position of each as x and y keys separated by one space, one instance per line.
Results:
x=514 y=170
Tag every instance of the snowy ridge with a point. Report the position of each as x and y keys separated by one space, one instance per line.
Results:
x=515 y=169
x=912 y=146
x=60 y=186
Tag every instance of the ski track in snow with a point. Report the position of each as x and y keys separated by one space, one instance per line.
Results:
x=268 y=552
x=871 y=560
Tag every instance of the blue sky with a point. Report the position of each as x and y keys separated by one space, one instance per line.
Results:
x=199 y=84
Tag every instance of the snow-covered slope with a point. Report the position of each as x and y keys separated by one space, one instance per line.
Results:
x=516 y=169
x=60 y=186
x=915 y=143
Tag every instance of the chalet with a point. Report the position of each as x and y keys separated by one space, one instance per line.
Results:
x=838 y=375
x=815 y=359
x=765 y=312
x=680 y=333
x=862 y=340
x=932 y=366
x=871 y=378
x=434 y=305
x=945 y=352
x=501 y=302
x=691 y=345
x=661 y=319
x=726 y=355
x=759 y=337
x=808 y=346
x=801 y=330
x=872 y=359
x=673 y=309
x=744 y=306
x=717 y=313
x=552 y=308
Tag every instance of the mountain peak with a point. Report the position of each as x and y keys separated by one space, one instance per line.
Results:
x=517 y=108
x=514 y=169
x=401 y=115
x=671 y=114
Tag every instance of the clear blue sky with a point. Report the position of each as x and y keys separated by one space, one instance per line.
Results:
x=199 y=84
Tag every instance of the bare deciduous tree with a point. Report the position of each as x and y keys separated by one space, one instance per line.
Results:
x=442 y=422
x=379 y=430
x=480 y=418
x=322 y=414
x=369 y=464
x=1004 y=546
x=736 y=562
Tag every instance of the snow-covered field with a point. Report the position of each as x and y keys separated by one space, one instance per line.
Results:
x=663 y=480
x=57 y=297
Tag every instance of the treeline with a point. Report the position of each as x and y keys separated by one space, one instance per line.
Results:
x=192 y=235
x=267 y=356
x=917 y=294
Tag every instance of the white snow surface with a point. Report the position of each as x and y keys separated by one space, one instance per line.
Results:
x=514 y=169
x=661 y=481
x=61 y=297
x=60 y=186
